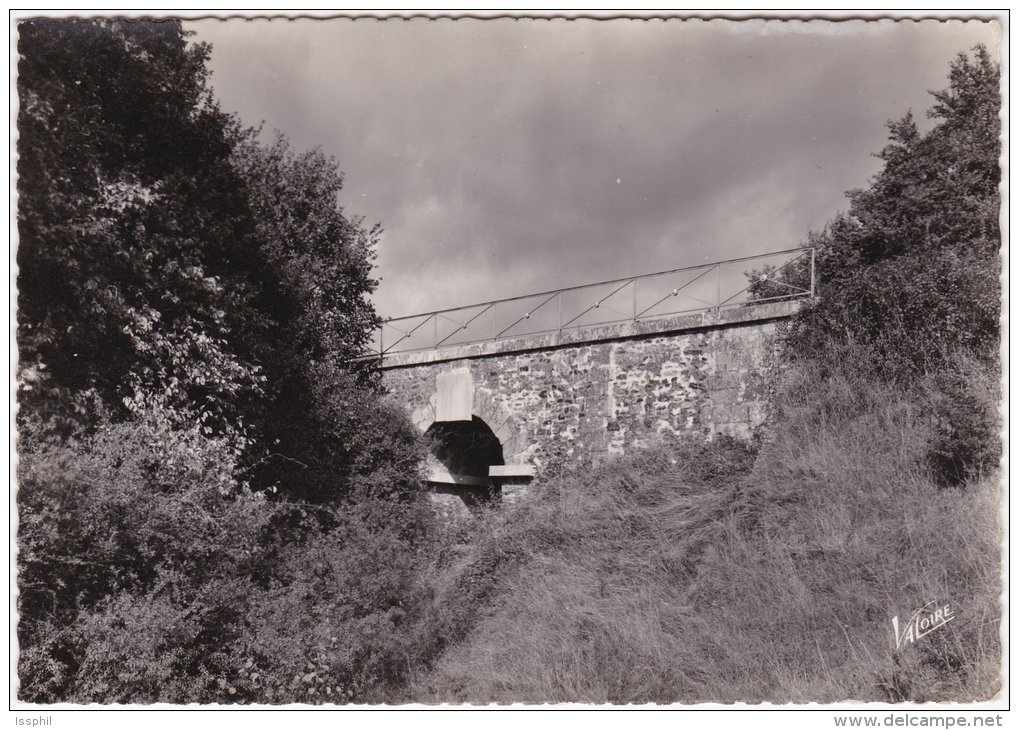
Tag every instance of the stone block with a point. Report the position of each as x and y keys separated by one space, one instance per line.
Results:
x=454 y=396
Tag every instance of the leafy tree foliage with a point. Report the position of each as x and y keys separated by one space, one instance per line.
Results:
x=322 y=418
x=135 y=278
x=170 y=260
x=190 y=300
x=940 y=189
x=911 y=271
x=319 y=260
x=909 y=277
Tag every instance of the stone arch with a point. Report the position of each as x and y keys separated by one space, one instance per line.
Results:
x=479 y=450
x=488 y=407
x=504 y=424
x=466 y=448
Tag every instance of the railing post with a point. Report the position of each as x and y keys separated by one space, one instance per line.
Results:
x=435 y=331
x=560 y=298
x=382 y=339
x=634 y=282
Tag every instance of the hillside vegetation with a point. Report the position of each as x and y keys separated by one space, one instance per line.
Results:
x=695 y=573
x=216 y=505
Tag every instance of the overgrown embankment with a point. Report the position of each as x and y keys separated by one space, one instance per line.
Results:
x=705 y=573
x=696 y=573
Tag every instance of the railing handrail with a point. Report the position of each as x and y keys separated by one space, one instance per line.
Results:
x=804 y=249
x=416 y=321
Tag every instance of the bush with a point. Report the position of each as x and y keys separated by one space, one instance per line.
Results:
x=336 y=621
x=904 y=317
x=336 y=438
x=966 y=442
x=136 y=544
x=137 y=509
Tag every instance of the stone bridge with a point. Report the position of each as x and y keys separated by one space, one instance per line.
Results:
x=500 y=411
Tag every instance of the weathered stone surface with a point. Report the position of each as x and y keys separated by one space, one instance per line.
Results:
x=454 y=395
x=579 y=396
x=511 y=470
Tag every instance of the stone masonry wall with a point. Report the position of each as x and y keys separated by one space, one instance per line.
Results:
x=581 y=403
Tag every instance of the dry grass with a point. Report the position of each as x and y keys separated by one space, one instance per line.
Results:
x=693 y=574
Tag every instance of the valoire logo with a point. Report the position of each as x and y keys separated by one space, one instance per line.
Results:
x=923 y=621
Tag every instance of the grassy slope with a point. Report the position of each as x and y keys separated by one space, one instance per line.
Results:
x=692 y=574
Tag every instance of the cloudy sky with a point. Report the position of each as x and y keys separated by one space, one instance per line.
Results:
x=504 y=157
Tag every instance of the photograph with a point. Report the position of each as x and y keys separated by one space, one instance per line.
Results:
x=512 y=361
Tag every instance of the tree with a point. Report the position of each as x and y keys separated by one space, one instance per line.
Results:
x=939 y=190
x=911 y=271
x=135 y=270
x=318 y=260
x=190 y=301
x=201 y=272
x=908 y=278
x=324 y=425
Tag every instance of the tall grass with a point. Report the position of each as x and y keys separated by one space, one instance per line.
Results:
x=693 y=573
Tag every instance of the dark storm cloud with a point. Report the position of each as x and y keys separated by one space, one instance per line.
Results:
x=504 y=157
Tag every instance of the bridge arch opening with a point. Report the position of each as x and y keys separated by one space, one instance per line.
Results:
x=466 y=450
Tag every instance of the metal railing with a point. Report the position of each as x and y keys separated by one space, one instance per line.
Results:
x=688 y=290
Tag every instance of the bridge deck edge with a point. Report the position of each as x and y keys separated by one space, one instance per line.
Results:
x=601 y=333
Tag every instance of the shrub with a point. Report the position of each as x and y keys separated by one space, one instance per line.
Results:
x=966 y=442
x=339 y=438
x=138 y=509
x=335 y=624
x=904 y=317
